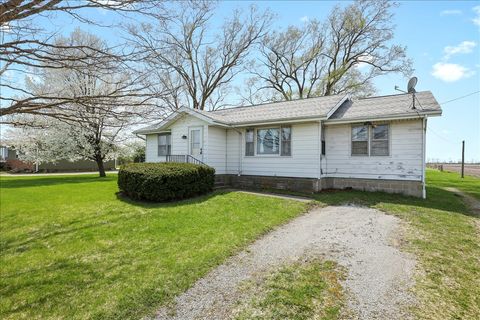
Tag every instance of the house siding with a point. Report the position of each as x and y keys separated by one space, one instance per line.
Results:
x=303 y=163
x=405 y=161
x=216 y=152
x=179 y=145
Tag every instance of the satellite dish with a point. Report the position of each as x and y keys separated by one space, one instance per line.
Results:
x=411 y=85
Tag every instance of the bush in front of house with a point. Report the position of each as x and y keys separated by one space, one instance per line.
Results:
x=165 y=181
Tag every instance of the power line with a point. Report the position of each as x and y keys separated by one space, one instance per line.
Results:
x=441 y=137
x=467 y=95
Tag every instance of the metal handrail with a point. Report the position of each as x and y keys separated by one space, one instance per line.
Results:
x=183 y=158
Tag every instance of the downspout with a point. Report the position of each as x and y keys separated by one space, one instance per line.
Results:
x=319 y=186
x=424 y=138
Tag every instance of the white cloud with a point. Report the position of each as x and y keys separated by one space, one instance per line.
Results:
x=363 y=61
x=450 y=72
x=304 y=19
x=464 y=47
x=452 y=12
x=476 y=20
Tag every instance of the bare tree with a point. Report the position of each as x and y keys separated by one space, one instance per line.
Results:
x=344 y=54
x=193 y=64
x=26 y=48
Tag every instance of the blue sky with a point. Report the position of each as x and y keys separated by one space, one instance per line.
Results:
x=442 y=38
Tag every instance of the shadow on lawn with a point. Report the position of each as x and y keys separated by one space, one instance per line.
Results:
x=40 y=181
x=169 y=204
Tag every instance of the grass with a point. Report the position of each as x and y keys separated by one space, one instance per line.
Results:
x=72 y=249
x=443 y=236
x=303 y=290
x=469 y=184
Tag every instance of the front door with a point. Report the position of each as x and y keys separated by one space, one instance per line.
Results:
x=196 y=142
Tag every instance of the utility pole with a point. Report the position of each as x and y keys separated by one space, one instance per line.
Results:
x=463 y=157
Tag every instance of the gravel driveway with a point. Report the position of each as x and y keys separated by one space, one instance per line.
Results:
x=360 y=239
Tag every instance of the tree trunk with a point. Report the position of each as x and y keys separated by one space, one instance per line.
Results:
x=101 y=168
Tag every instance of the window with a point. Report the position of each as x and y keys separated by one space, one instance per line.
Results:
x=164 y=144
x=268 y=141
x=360 y=141
x=379 y=140
x=286 y=141
x=249 y=142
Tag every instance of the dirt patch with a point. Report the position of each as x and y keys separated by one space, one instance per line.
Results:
x=378 y=277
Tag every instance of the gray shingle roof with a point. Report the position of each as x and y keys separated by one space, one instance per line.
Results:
x=321 y=107
x=296 y=109
x=387 y=106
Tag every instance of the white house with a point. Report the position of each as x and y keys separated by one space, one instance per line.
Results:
x=375 y=143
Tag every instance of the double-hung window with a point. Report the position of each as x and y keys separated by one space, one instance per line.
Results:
x=269 y=141
x=379 y=143
x=370 y=140
x=249 y=142
x=164 y=144
x=360 y=140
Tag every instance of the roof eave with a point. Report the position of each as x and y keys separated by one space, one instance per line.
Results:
x=387 y=117
x=276 y=121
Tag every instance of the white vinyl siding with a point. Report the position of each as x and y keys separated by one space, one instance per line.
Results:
x=404 y=161
x=303 y=162
x=151 y=152
x=217 y=149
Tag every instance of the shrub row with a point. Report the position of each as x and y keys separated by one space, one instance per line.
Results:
x=165 y=181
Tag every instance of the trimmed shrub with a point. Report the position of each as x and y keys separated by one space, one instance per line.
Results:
x=165 y=181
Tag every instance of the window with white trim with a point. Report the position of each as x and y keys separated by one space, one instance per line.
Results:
x=360 y=140
x=250 y=142
x=379 y=145
x=164 y=144
x=371 y=140
x=269 y=141
x=286 y=141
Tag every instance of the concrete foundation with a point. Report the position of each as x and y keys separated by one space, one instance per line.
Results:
x=309 y=185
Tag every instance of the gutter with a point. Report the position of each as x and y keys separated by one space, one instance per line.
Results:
x=386 y=118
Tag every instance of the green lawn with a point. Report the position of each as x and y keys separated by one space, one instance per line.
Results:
x=72 y=249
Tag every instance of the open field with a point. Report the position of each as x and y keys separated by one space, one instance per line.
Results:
x=469 y=169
